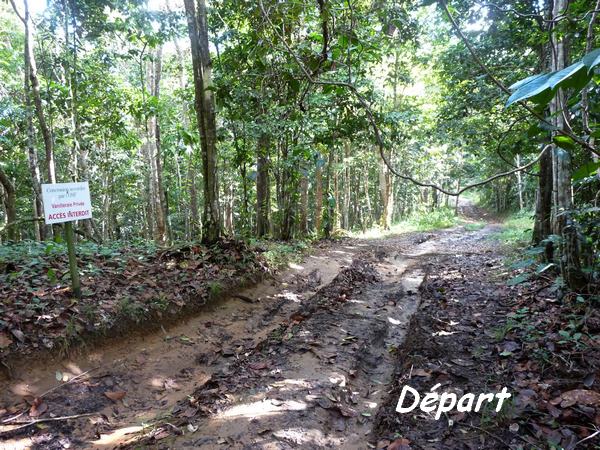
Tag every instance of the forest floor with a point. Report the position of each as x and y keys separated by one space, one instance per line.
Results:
x=316 y=356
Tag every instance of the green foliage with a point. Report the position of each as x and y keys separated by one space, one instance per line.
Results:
x=516 y=229
x=280 y=254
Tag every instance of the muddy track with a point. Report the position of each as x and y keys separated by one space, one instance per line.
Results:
x=303 y=361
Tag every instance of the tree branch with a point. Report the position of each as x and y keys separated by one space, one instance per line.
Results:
x=501 y=85
x=371 y=118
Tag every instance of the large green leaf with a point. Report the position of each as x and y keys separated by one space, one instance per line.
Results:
x=565 y=142
x=575 y=76
x=537 y=89
x=587 y=170
x=591 y=60
x=524 y=81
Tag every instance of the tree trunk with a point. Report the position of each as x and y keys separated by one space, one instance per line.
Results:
x=37 y=99
x=346 y=205
x=318 y=197
x=303 y=224
x=194 y=218
x=562 y=222
x=369 y=219
x=10 y=204
x=205 y=115
x=519 y=183
x=160 y=201
x=34 y=167
x=262 y=187
x=386 y=192
x=335 y=219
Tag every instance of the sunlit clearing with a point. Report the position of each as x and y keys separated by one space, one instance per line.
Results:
x=360 y=302
x=290 y=296
x=17 y=444
x=289 y=382
x=338 y=378
x=22 y=389
x=157 y=382
x=74 y=368
x=117 y=436
x=261 y=408
x=295 y=266
x=303 y=436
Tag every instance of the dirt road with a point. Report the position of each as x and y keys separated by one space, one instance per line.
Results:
x=301 y=361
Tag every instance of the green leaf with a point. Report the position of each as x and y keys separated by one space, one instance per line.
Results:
x=518 y=279
x=524 y=81
x=587 y=170
x=565 y=142
x=573 y=76
x=591 y=60
x=537 y=89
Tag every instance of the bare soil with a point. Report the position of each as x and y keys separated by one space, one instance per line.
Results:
x=313 y=358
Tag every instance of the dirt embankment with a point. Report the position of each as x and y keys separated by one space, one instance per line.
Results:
x=315 y=358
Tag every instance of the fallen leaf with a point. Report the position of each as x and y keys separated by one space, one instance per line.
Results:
x=579 y=397
x=258 y=365
x=5 y=340
x=115 y=396
x=399 y=444
x=18 y=334
x=38 y=408
x=421 y=373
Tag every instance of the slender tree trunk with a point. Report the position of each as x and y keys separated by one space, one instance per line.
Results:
x=262 y=186
x=10 y=205
x=160 y=197
x=205 y=115
x=318 y=197
x=386 y=192
x=303 y=224
x=519 y=183
x=335 y=220
x=34 y=168
x=346 y=205
x=35 y=86
x=562 y=222
x=194 y=217
x=369 y=219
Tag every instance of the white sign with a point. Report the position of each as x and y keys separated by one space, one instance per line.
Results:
x=65 y=202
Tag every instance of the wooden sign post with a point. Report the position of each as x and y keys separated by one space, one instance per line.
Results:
x=65 y=203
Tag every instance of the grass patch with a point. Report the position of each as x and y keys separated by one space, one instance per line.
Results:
x=418 y=221
x=516 y=229
x=473 y=226
x=280 y=254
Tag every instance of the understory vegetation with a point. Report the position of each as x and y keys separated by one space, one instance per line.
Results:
x=225 y=140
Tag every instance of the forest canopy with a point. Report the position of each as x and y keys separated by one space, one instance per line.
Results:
x=195 y=120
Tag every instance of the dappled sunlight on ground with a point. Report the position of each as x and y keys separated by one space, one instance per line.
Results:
x=261 y=408
x=117 y=436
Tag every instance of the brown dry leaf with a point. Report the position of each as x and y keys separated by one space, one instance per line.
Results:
x=38 y=408
x=115 y=396
x=5 y=340
x=18 y=334
x=161 y=435
x=258 y=365
x=399 y=444
x=421 y=373
x=189 y=412
x=347 y=412
x=579 y=397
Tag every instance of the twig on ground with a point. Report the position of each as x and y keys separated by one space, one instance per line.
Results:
x=47 y=419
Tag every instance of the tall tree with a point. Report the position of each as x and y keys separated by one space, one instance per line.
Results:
x=205 y=114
